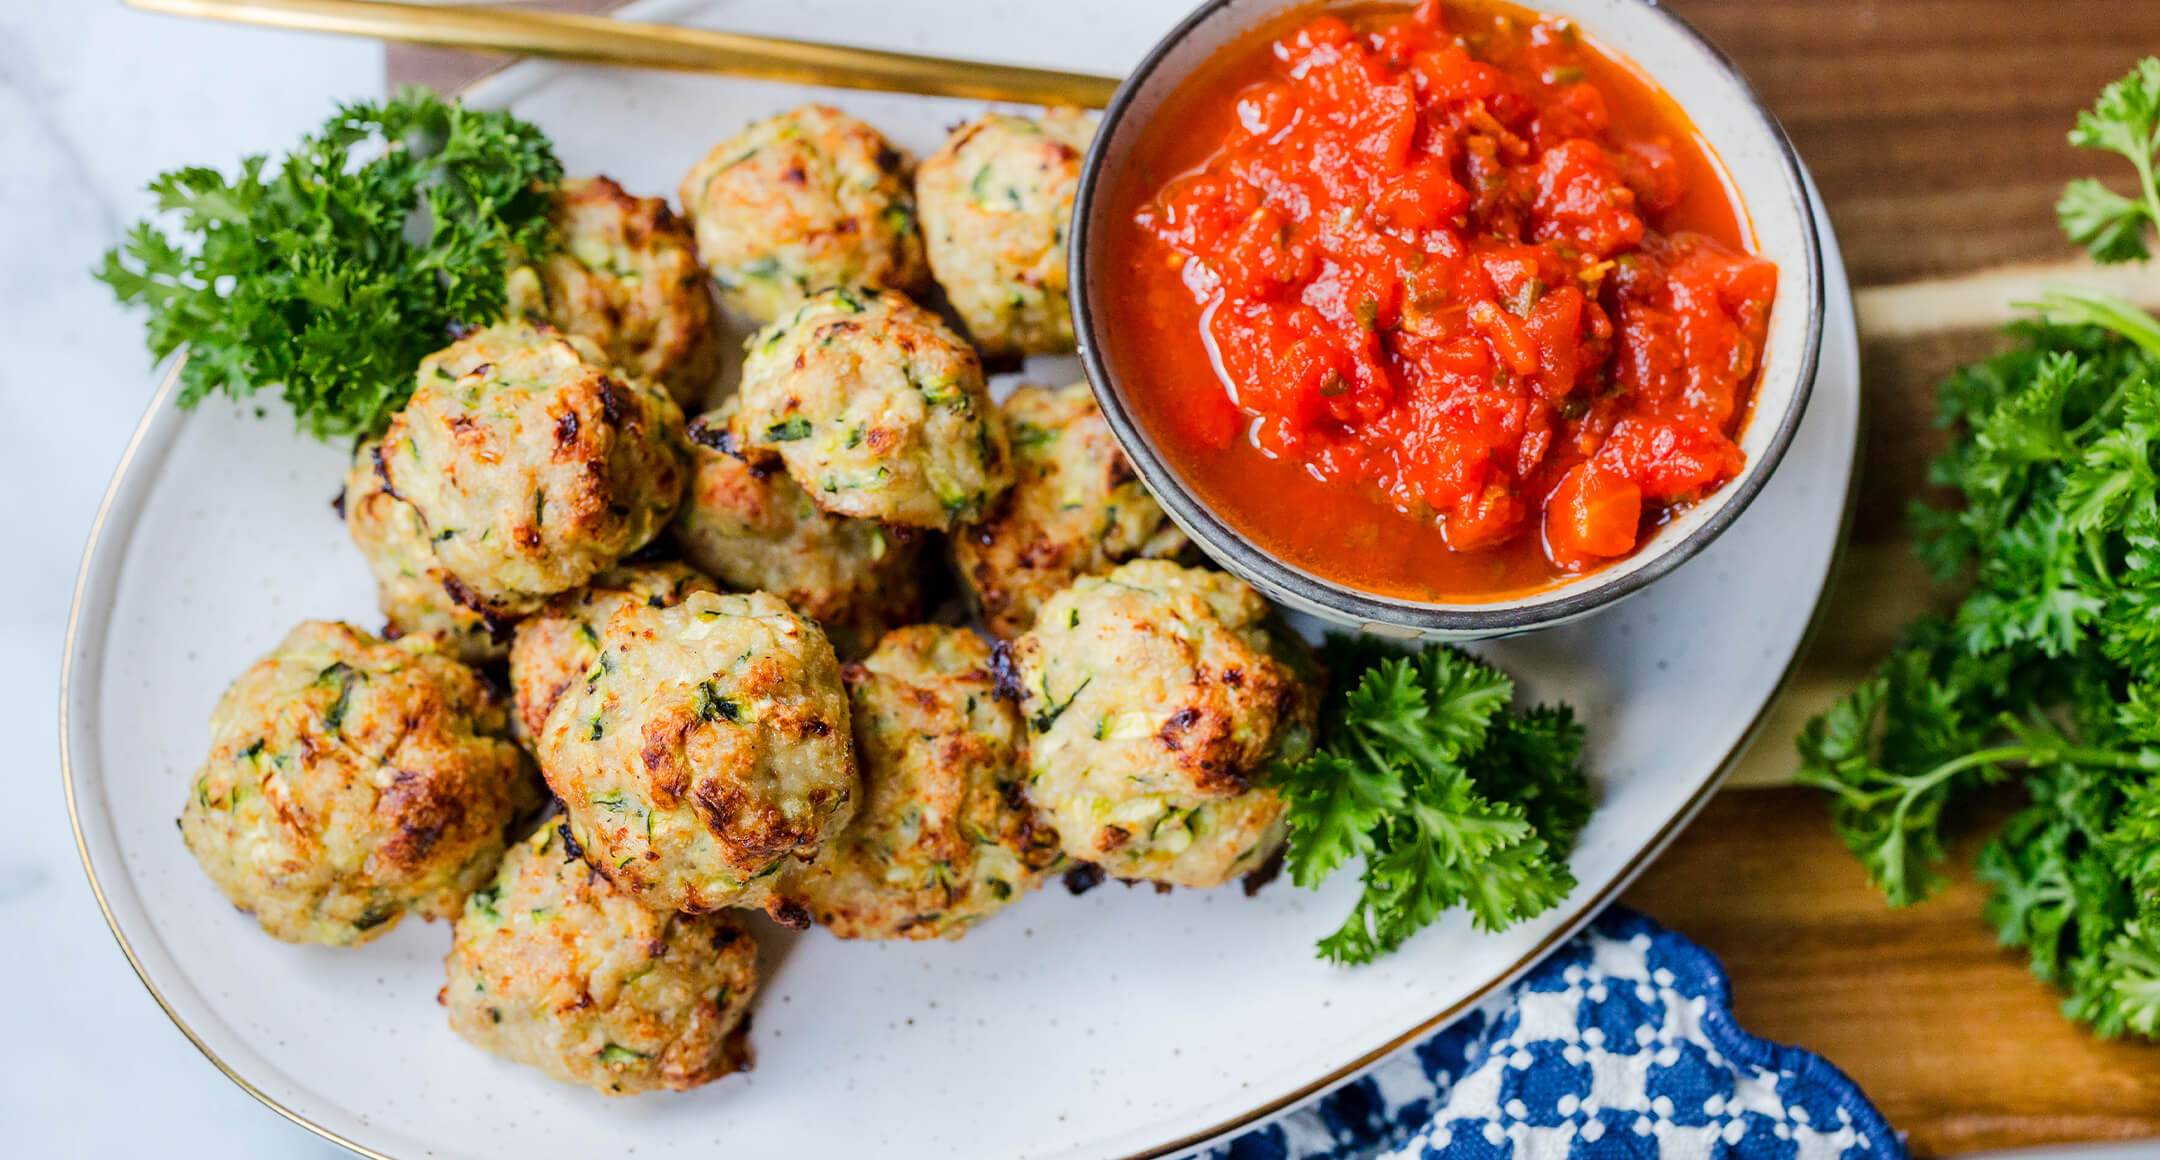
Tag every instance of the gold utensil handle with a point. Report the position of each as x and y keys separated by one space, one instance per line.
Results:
x=597 y=38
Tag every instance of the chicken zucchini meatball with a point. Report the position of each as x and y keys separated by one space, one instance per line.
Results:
x=532 y=466
x=558 y=645
x=751 y=526
x=997 y=202
x=1075 y=508
x=1155 y=697
x=877 y=409
x=627 y=278
x=946 y=835
x=552 y=966
x=408 y=580
x=707 y=744
x=806 y=200
x=352 y=781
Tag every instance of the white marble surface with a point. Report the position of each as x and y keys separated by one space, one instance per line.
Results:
x=95 y=99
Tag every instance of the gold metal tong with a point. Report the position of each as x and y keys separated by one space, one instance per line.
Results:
x=601 y=40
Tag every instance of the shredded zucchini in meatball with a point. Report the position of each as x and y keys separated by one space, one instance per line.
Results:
x=946 y=836
x=1156 y=697
x=554 y=967
x=877 y=409
x=802 y=202
x=997 y=203
x=627 y=278
x=531 y=464
x=1075 y=508
x=706 y=744
x=351 y=781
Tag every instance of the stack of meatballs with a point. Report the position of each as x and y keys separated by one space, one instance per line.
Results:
x=714 y=630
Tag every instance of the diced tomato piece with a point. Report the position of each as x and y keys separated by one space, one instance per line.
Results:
x=1555 y=326
x=1509 y=338
x=1582 y=201
x=1425 y=195
x=1450 y=76
x=1650 y=367
x=1671 y=460
x=1259 y=258
x=1594 y=512
x=1492 y=517
x=1651 y=170
x=1264 y=109
x=1586 y=104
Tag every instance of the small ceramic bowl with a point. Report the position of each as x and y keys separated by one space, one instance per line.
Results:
x=1758 y=161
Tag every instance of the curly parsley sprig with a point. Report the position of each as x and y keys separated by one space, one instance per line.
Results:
x=2125 y=120
x=1450 y=798
x=2048 y=672
x=331 y=276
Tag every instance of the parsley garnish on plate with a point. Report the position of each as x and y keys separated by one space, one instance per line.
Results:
x=333 y=274
x=1451 y=798
x=2048 y=672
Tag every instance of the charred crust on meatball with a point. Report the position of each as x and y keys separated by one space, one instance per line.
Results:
x=613 y=406
x=790 y=914
x=500 y=628
x=706 y=433
x=751 y=833
x=1263 y=874
x=1007 y=671
x=572 y=852
x=1082 y=878
x=382 y=472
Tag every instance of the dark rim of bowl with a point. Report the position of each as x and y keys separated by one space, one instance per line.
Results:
x=1295 y=585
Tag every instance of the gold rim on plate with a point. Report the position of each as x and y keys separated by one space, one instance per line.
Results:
x=158 y=402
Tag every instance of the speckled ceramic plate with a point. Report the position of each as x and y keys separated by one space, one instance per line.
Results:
x=1120 y=1023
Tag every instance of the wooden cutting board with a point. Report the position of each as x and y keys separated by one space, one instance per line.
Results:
x=1935 y=129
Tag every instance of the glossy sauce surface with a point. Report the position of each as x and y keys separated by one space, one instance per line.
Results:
x=1442 y=303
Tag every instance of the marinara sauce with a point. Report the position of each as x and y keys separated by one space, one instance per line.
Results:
x=1440 y=303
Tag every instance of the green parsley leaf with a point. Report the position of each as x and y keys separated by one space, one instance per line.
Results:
x=1449 y=798
x=1336 y=805
x=2110 y=226
x=2125 y=120
x=2122 y=993
x=332 y=276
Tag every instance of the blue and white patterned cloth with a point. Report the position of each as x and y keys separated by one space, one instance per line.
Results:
x=1621 y=1045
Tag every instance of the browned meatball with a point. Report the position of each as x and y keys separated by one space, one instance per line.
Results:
x=552 y=966
x=946 y=836
x=997 y=202
x=532 y=465
x=1075 y=509
x=878 y=409
x=801 y=202
x=1156 y=696
x=627 y=277
x=750 y=525
x=352 y=781
x=707 y=744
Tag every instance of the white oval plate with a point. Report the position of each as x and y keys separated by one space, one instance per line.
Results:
x=1121 y=1023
